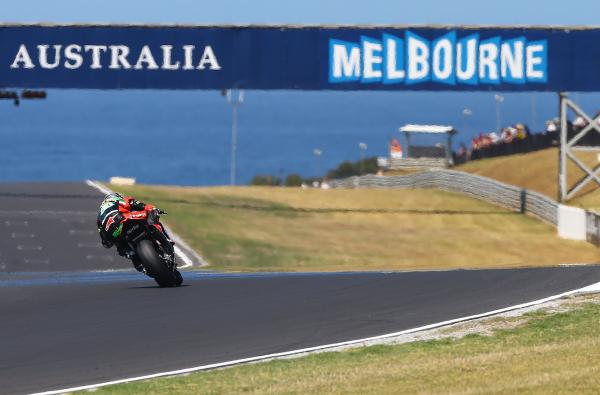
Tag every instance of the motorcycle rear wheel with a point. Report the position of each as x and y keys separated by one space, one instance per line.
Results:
x=155 y=266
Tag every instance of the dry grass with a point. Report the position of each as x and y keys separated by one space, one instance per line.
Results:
x=538 y=171
x=290 y=229
x=551 y=354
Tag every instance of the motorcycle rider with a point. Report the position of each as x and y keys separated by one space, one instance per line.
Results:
x=110 y=222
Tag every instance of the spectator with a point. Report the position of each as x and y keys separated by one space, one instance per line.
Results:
x=519 y=138
x=579 y=123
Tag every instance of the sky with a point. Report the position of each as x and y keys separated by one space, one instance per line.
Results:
x=505 y=12
x=517 y=107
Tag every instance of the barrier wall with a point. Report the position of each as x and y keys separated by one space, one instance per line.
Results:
x=571 y=223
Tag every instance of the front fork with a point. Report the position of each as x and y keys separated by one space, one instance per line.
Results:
x=167 y=247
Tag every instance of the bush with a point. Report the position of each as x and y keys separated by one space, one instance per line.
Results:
x=293 y=180
x=349 y=169
x=265 y=180
x=344 y=169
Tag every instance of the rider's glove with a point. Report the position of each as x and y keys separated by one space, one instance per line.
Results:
x=153 y=216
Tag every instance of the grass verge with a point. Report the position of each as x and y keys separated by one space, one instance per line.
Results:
x=290 y=229
x=552 y=353
x=538 y=171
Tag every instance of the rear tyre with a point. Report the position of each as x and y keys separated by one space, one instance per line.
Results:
x=155 y=266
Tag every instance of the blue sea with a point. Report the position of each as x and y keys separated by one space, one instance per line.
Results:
x=184 y=137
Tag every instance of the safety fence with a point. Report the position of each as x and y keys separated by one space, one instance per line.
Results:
x=499 y=193
x=404 y=163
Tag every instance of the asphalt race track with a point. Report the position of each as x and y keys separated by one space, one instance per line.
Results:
x=62 y=329
x=52 y=227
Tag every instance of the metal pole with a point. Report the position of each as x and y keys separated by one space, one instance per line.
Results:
x=449 y=150
x=499 y=99
x=497 y=116
x=317 y=153
x=235 y=101
x=233 y=144
x=466 y=114
x=362 y=147
x=562 y=156
x=319 y=167
x=533 y=112
x=362 y=157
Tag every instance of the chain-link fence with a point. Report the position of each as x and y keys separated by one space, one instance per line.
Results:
x=508 y=196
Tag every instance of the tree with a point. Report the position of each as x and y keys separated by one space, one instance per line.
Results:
x=349 y=169
x=265 y=180
x=293 y=180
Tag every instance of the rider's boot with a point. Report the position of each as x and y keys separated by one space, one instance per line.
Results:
x=137 y=264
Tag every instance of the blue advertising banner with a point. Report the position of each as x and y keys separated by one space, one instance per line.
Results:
x=311 y=58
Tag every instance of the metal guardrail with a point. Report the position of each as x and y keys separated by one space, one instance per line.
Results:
x=508 y=196
x=404 y=163
x=496 y=192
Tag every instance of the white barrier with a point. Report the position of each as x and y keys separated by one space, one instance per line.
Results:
x=126 y=181
x=571 y=223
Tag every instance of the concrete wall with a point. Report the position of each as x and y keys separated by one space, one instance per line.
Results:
x=571 y=223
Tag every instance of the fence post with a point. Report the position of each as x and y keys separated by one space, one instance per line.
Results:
x=596 y=237
x=523 y=198
x=562 y=150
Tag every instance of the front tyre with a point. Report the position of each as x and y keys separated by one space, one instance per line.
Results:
x=178 y=278
x=155 y=266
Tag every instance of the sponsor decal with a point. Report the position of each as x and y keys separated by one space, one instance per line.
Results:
x=137 y=215
x=447 y=59
x=118 y=231
x=109 y=222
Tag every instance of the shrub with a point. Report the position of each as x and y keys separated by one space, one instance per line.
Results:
x=293 y=180
x=265 y=180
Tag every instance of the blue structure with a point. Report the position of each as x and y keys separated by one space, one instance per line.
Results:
x=311 y=58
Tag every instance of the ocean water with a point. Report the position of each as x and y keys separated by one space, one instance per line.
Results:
x=181 y=137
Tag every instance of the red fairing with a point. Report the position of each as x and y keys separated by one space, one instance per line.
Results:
x=149 y=207
x=126 y=204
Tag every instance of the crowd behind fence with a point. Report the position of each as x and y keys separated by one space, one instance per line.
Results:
x=504 y=195
x=519 y=139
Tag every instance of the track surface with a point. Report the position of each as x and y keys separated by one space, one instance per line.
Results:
x=55 y=336
x=62 y=330
x=52 y=227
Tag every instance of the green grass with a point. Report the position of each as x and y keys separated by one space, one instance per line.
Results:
x=550 y=354
x=290 y=229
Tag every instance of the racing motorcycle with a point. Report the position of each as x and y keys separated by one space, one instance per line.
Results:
x=149 y=246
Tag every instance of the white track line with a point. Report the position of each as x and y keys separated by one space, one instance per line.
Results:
x=188 y=262
x=591 y=288
x=182 y=255
x=99 y=187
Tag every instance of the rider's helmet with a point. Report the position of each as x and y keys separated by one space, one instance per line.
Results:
x=113 y=197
